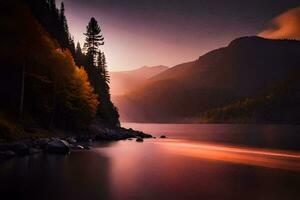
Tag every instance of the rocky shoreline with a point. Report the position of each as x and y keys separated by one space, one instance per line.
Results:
x=64 y=144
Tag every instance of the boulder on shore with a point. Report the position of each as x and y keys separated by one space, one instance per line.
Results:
x=139 y=139
x=116 y=133
x=163 y=136
x=71 y=140
x=42 y=142
x=87 y=147
x=58 y=146
x=76 y=147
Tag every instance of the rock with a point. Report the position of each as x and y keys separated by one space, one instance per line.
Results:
x=34 y=151
x=42 y=142
x=140 y=134
x=114 y=134
x=76 y=147
x=58 y=146
x=139 y=139
x=163 y=136
x=71 y=140
x=21 y=148
x=129 y=138
x=87 y=147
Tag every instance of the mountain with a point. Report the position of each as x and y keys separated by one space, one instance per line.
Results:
x=125 y=81
x=279 y=105
x=248 y=66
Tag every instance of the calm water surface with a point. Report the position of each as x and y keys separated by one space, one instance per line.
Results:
x=194 y=162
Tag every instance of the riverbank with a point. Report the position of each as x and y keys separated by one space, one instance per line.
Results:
x=65 y=143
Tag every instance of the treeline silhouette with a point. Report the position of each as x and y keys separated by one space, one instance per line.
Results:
x=54 y=21
x=44 y=82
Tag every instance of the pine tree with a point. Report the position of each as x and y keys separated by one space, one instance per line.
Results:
x=96 y=67
x=72 y=46
x=79 y=57
x=99 y=61
x=94 y=39
x=64 y=37
x=78 y=49
x=53 y=21
x=104 y=68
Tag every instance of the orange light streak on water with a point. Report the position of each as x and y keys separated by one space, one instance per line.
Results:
x=286 y=160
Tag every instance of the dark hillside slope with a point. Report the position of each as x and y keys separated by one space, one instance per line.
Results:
x=247 y=66
x=279 y=105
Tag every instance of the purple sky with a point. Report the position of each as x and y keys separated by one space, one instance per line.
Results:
x=169 y=32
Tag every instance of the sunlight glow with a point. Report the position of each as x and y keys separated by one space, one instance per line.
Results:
x=239 y=155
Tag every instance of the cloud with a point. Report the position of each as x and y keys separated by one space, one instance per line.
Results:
x=284 y=26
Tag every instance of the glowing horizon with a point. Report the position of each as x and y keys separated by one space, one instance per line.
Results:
x=139 y=33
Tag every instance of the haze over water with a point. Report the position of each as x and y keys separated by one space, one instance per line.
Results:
x=190 y=164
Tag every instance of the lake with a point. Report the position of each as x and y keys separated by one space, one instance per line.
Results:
x=194 y=162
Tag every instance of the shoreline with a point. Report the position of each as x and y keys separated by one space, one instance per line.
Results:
x=66 y=143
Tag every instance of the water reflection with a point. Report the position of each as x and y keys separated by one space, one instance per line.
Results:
x=240 y=155
x=187 y=170
x=191 y=164
x=80 y=175
x=264 y=136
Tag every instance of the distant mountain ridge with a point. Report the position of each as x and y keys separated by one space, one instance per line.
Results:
x=247 y=66
x=124 y=81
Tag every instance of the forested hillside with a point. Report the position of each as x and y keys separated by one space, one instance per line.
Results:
x=41 y=85
x=280 y=104
x=247 y=67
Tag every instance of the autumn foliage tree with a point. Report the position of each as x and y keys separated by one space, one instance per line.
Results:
x=57 y=93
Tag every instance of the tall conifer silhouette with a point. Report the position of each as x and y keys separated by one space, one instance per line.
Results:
x=96 y=66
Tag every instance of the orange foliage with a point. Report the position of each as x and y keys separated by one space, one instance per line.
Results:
x=85 y=91
x=59 y=86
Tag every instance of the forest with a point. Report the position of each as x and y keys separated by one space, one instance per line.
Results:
x=278 y=105
x=46 y=83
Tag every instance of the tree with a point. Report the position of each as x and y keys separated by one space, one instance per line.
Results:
x=102 y=65
x=94 y=39
x=72 y=46
x=78 y=49
x=64 y=36
x=78 y=55
x=53 y=21
x=96 y=68
x=107 y=110
x=56 y=93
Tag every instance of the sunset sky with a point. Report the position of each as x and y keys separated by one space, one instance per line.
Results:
x=169 y=32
